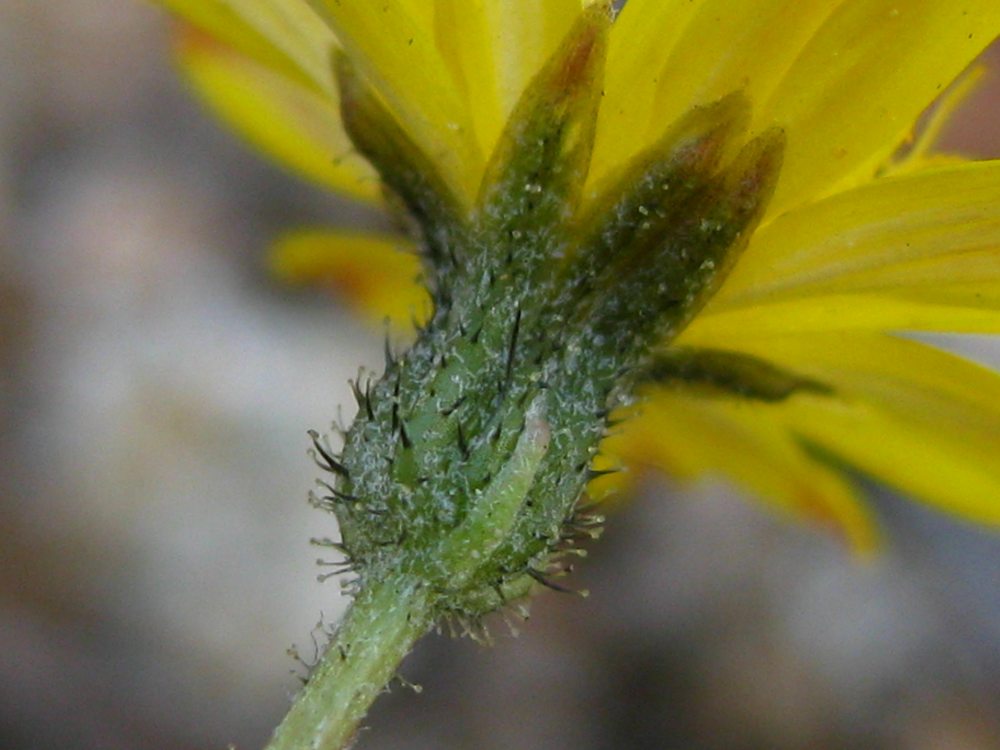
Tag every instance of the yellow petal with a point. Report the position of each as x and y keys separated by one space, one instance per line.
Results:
x=923 y=420
x=738 y=439
x=464 y=37
x=914 y=458
x=295 y=125
x=284 y=34
x=393 y=47
x=840 y=312
x=667 y=56
x=856 y=90
x=642 y=35
x=493 y=50
x=920 y=251
x=523 y=38
x=379 y=275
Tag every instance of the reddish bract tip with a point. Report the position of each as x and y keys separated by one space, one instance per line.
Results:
x=583 y=44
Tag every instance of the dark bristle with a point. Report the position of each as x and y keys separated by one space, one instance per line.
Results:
x=447 y=412
x=512 y=347
x=442 y=295
x=498 y=590
x=390 y=358
x=540 y=578
x=368 y=401
x=358 y=395
x=336 y=494
x=331 y=464
x=596 y=473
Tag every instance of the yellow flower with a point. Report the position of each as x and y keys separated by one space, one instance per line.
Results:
x=864 y=238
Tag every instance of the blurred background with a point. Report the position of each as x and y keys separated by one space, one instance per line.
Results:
x=156 y=387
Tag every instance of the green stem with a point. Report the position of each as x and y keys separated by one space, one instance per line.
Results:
x=378 y=631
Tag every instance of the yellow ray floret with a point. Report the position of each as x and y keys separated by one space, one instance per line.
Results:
x=920 y=419
x=920 y=251
x=856 y=90
x=693 y=437
x=846 y=79
x=493 y=51
x=284 y=34
x=297 y=125
x=669 y=55
x=392 y=45
x=379 y=275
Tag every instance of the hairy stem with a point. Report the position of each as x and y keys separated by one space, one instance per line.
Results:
x=377 y=632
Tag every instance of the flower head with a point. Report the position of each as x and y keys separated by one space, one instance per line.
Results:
x=794 y=117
